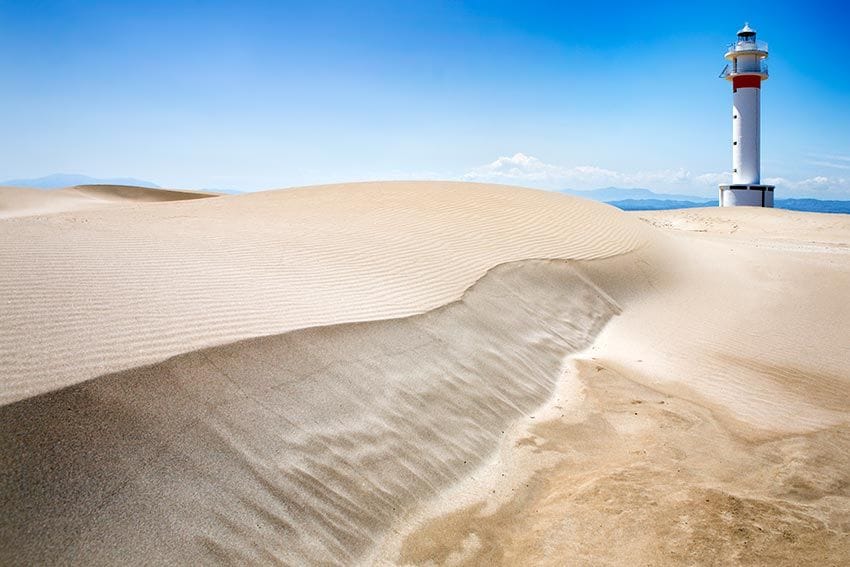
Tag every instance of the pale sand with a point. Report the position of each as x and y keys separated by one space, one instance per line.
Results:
x=24 y=202
x=94 y=291
x=706 y=423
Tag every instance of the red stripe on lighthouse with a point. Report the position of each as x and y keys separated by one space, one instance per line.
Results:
x=746 y=82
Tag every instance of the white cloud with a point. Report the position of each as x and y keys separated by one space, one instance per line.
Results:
x=713 y=179
x=522 y=169
x=820 y=186
x=528 y=170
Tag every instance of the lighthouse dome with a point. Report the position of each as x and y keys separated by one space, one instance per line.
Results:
x=746 y=31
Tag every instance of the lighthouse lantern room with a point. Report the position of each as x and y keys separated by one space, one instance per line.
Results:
x=746 y=70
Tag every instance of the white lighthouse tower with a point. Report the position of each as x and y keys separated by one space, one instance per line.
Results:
x=746 y=70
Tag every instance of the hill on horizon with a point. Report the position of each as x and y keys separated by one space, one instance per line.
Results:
x=60 y=180
x=608 y=194
x=625 y=198
x=638 y=199
x=803 y=205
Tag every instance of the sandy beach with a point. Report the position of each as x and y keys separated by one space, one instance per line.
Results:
x=419 y=373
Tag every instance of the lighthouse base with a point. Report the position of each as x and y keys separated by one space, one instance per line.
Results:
x=746 y=195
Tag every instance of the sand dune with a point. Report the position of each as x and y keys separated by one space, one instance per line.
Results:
x=96 y=291
x=19 y=201
x=298 y=447
x=615 y=389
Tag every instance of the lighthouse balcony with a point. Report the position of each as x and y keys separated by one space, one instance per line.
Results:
x=746 y=46
x=732 y=70
x=738 y=48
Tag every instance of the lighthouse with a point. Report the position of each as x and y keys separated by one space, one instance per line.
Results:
x=746 y=70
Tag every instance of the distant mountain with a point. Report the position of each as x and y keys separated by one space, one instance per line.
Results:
x=646 y=200
x=806 y=205
x=59 y=180
x=608 y=194
x=658 y=204
x=813 y=205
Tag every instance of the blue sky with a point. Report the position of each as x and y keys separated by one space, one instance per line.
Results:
x=257 y=95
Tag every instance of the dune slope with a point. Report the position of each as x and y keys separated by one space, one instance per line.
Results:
x=303 y=447
x=22 y=202
x=95 y=291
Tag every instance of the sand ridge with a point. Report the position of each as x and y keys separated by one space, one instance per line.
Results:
x=21 y=202
x=90 y=292
x=298 y=448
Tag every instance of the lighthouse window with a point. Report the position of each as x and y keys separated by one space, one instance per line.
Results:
x=735 y=143
x=734 y=116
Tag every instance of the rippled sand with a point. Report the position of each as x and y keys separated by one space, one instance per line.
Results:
x=420 y=373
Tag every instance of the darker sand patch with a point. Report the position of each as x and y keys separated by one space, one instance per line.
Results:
x=651 y=479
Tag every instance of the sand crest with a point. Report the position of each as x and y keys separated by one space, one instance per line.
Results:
x=22 y=202
x=302 y=447
x=423 y=373
x=95 y=291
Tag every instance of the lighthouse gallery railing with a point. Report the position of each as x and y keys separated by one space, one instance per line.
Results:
x=747 y=46
x=727 y=70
